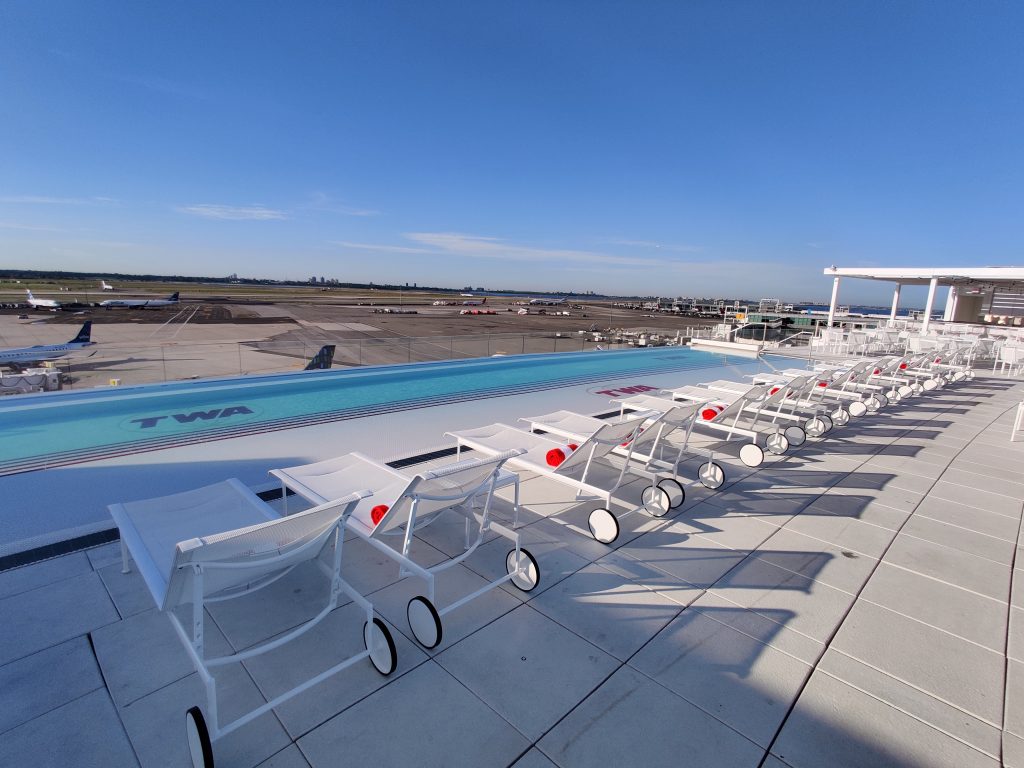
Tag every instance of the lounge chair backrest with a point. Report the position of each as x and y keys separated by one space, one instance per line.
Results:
x=602 y=442
x=439 y=489
x=678 y=417
x=236 y=559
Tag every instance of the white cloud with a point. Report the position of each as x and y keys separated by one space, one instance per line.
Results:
x=45 y=200
x=476 y=246
x=233 y=212
x=381 y=248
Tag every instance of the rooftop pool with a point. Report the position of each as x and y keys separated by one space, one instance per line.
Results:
x=61 y=428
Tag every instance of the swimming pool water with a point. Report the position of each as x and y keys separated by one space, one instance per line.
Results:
x=80 y=425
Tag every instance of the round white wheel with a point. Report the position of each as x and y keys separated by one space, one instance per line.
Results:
x=815 y=427
x=777 y=443
x=674 y=489
x=882 y=399
x=827 y=421
x=795 y=435
x=857 y=408
x=603 y=525
x=712 y=475
x=752 y=455
x=906 y=391
x=524 y=570
x=970 y=374
x=378 y=641
x=873 y=403
x=894 y=395
x=917 y=388
x=424 y=621
x=655 y=501
x=930 y=384
x=840 y=417
x=199 y=746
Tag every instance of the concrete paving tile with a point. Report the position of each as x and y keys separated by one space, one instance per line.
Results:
x=36 y=684
x=813 y=608
x=424 y=718
x=897 y=498
x=615 y=614
x=536 y=653
x=155 y=723
x=336 y=638
x=837 y=725
x=451 y=585
x=954 y=670
x=977 y=497
x=892 y=480
x=1013 y=751
x=534 y=759
x=84 y=732
x=128 y=590
x=51 y=614
x=554 y=557
x=954 y=566
x=680 y=734
x=29 y=577
x=974 y=617
x=729 y=674
x=142 y=653
x=971 y=518
x=1015 y=638
x=731 y=532
x=999 y=550
x=992 y=458
x=290 y=757
x=965 y=474
x=682 y=557
x=847 y=533
x=641 y=574
x=762 y=504
x=939 y=714
x=813 y=558
x=862 y=508
x=1013 y=719
x=904 y=465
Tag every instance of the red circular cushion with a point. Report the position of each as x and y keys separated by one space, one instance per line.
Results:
x=877 y=371
x=378 y=512
x=555 y=457
x=709 y=413
x=903 y=366
x=573 y=446
x=774 y=390
x=822 y=383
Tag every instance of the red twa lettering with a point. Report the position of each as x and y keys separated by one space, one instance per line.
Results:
x=621 y=391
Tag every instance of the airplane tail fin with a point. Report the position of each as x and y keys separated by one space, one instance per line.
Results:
x=173 y=296
x=30 y=296
x=322 y=360
x=84 y=334
x=484 y=300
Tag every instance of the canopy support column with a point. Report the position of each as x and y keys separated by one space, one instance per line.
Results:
x=895 y=304
x=932 y=285
x=832 y=305
x=950 y=314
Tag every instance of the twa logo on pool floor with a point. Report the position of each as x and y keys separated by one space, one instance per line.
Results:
x=636 y=389
x=183 y=421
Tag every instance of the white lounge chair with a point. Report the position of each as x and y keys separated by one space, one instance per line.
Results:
x=648 y=449
x=403 y=504
x=221 y=542
x=576 y=469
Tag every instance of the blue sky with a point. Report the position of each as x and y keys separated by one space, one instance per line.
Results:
x=654 y=148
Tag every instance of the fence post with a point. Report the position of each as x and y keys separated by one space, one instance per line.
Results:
x=239 y=345
x=409 y=359
x=163 y=361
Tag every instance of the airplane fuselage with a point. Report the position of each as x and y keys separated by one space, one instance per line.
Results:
x=39 y=353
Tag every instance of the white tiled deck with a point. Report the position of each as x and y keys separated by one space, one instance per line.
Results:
x=853 y=604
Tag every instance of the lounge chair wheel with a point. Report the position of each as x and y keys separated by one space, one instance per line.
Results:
x=795 y=435
x=656 y=501
x=840 y=417
x=199 y=745
x=752 y=455
x=930 y=384
x=674 y=489
x=603 y=525
x=917 y=388
x=525 y=572
x=378 y=641
x=906 y=391
x=873 y=403
x=777 y=443
x=970 y=374
x=882 y=399
x=858 y=408
x=894 y=395
x=424 y=622
x=712 y=475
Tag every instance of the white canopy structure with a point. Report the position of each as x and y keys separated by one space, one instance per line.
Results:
x=976 y=294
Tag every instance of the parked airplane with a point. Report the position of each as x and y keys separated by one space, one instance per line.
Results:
x=170 y=301
x=41 y=303
x=547 y=302
x=105 y=287
x=322 y=360
x=26 y=356
x=474 y=302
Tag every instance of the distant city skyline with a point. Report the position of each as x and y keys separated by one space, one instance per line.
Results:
x=680 y=149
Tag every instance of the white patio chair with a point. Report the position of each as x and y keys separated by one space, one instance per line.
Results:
x=403 y=504
x=577 y=469
x=221 y=542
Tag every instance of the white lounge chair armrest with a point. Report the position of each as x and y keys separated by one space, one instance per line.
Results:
x=497 y=459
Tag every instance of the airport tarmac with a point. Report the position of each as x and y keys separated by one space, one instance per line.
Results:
x=227 y=336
